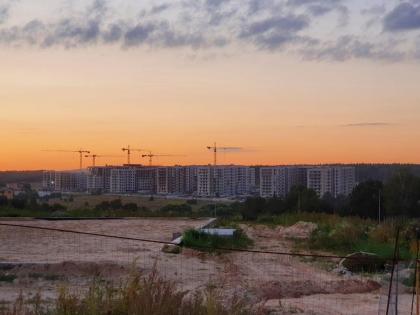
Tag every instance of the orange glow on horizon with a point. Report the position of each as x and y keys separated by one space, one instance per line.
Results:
x=280 y=110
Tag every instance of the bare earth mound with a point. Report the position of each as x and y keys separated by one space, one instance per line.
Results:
x=42 y=261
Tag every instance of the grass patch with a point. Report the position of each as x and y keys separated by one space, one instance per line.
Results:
x=345 y=235
x=7 y=278
x=47 y=277
x=410 y=281
x=212 y=243
x=139 y=295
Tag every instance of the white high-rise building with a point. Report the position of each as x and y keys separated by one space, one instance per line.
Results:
x=225 y=180
x=64 y=181
x=123 y=180
x=171 y=180
x=335 y=180
x=99 y=179
x=279 y=180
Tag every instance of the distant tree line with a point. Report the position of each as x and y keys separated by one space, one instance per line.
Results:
x=28 y=199
x=399 y=196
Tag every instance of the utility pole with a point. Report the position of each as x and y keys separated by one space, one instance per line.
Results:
x=379 y=206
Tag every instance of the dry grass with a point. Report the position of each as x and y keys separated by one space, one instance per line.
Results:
x=90 y=201
x=139 y=295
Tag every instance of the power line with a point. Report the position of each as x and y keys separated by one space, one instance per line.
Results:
x=171 y=243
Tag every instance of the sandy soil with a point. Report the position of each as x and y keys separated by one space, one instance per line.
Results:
x=43 y=260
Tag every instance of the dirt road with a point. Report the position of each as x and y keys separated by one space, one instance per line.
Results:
x=42 y=261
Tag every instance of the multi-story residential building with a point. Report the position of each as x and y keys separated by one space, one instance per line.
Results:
x=99 y=179
x=171 y=180
x=205 y=181
x=65 y=181
x=335 y=180
x=48 y=180
x=296 y=176
x=123 y=180
x=190 y=179
x=279 y=180
x=273 y=181
x=229 y=180
x=146 y=180
x=344 y=180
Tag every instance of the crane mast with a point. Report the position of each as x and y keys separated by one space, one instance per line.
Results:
x=128 y=149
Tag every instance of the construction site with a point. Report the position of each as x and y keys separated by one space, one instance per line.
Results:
x=40 y=256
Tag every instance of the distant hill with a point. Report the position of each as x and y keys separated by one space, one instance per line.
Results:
x=20 y=177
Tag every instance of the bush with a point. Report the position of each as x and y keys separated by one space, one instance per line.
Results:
x=104 y=205
x=183 y=209
x=252 y=208
x=7 y=278
x=192 y=201
x=3 y=201
x=131 y=206
x=115 y=204
x=18 y=203
x=206 y=242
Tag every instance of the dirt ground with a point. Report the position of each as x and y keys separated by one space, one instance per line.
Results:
x=41 y=261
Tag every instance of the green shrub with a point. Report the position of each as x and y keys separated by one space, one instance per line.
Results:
x=183 y=209
x=7 y=277
x=211 y=243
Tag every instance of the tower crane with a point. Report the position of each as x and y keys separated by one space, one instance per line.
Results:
x=150 y=155
x=95 y=156
x=81 y=152
x=128 y=149
x=215 y=149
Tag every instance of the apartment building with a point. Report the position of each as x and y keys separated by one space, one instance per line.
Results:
x=64 y=181
x=146 y=179
x=171 y=180
x=273 y=182
x=224 y=181
x=205 y=181
x=99 y=179
x=279 y=180
x=335 y=180
x=190 y=179
x=123 y=180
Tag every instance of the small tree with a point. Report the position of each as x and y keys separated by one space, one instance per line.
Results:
x=116 y=204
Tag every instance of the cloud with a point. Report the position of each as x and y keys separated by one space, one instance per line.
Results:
x=368 y=124
x=349 y=47
x=404 y=17
x=321 y=7
x=160 y=8
x=274 y=32
x=4 y=13
x=374 y=10
x=271 y=25
x=5 y=7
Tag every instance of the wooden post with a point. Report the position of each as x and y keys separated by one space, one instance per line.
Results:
x=417 y=288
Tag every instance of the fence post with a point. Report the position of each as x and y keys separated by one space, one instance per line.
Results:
x=417 y=284
x=394 y=262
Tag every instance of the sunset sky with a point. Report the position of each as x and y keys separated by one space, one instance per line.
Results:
x=289 y=81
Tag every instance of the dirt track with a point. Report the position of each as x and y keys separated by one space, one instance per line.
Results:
x=50 y=258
